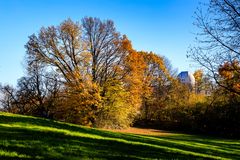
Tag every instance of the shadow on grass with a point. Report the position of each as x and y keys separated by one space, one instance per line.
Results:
x=44 y=144
x=54 y=145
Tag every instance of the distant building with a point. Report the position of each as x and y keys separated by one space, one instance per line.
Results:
x=186 y=77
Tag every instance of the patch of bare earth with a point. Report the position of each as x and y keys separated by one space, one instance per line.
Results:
x=142 y=131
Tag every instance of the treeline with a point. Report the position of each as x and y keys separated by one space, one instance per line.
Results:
x=88 y=73
x=217 y=115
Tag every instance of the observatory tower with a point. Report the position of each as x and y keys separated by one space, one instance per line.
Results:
x=187 y=78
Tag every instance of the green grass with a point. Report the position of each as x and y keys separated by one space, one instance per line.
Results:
x=24 y=137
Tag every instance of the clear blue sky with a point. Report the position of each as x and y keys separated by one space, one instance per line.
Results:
x=162 y=26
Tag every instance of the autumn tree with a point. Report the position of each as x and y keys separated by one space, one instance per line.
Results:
x=156 y=81
x=122 y=93
x=108 y=50
x=34 y=94
x=89 y=57
x=198 y=75
x=61 y=48
x=148 y=81
x=8 y=100
x=218 y=39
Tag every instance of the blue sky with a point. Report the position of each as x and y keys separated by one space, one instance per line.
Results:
x=162 y=26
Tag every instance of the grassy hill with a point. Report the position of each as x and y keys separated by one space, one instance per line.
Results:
x=24 y=137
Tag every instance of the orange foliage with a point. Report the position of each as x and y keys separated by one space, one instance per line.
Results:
x=230 y=72
x=134 y=80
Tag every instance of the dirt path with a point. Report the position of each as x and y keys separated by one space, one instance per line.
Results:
x=142 y=131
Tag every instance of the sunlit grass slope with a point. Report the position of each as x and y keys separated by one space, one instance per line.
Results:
x=23 y=137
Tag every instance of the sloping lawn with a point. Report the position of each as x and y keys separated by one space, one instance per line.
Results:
x=24 y=137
